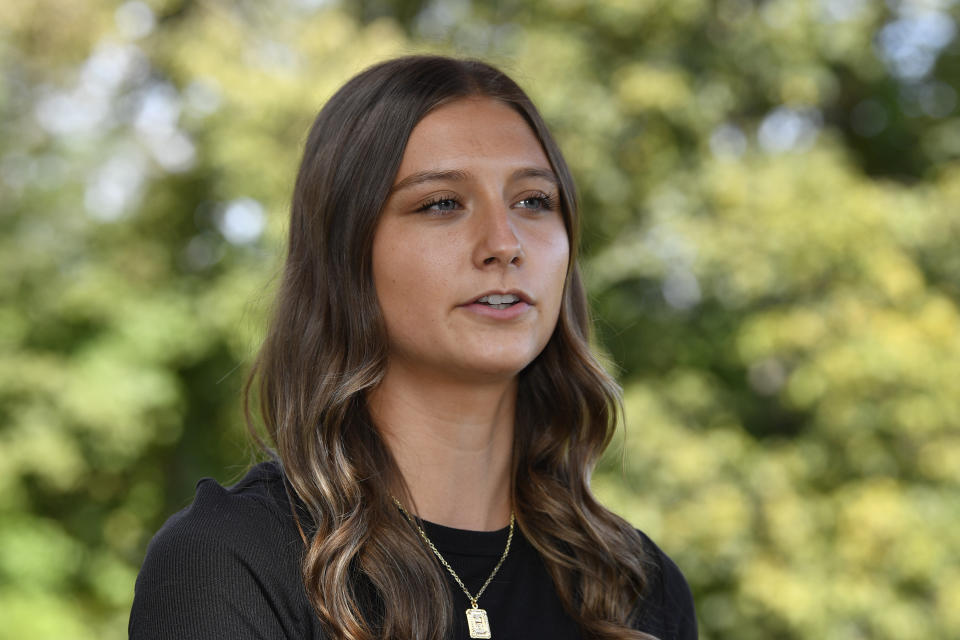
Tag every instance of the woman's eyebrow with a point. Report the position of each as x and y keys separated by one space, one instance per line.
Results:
x=455 y=175
x=428 y=176
x=535 y=172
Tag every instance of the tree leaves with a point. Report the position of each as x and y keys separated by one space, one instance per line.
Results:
x=770 y=204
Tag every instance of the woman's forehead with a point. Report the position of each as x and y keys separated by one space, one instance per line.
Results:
x=472 y=132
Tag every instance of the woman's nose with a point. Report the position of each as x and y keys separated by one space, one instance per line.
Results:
x=497 y=239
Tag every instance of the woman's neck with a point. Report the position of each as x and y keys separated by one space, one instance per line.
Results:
x=453 y=443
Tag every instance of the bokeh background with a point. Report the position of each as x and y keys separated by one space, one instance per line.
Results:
x=771 y=194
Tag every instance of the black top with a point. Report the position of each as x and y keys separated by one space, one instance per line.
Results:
x=227 y=566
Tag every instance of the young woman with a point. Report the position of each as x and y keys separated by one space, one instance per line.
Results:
x=433 y=408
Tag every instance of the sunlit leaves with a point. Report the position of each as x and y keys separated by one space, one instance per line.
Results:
x=788 y=328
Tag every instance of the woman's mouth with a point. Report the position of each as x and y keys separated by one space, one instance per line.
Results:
x=499 y=301
x=499 y=306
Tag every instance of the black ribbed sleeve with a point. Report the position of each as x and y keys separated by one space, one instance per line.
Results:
x=225 y=567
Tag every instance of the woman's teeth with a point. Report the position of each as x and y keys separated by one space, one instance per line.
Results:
x=498 y=301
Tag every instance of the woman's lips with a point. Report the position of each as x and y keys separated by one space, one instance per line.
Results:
x=515 y=310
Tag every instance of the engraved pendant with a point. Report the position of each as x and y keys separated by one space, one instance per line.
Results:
x=477 y=623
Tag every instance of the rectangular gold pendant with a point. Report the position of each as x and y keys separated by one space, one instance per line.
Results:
x=477 y=623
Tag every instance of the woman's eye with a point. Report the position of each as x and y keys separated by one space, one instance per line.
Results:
x=538 y=202
x=443 y=204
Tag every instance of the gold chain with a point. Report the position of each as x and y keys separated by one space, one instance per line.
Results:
x=423 y=534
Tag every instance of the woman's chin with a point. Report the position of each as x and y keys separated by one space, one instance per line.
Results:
x=492 y=369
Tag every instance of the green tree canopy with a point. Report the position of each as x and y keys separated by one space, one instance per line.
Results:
x=770 y=193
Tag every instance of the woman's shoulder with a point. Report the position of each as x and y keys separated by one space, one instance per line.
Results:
x=228 y=564
x=251 y=517
x=256 y=505
x=667 y=609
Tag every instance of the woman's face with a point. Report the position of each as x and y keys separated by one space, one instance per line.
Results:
x=474 y=213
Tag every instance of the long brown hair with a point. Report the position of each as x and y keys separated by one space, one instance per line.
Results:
x=327 y=346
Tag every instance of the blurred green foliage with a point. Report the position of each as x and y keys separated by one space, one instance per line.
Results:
x=771 y=193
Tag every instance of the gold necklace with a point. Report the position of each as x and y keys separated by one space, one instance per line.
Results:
x=477 y=621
